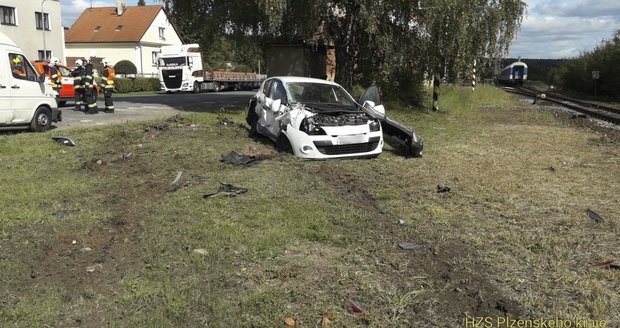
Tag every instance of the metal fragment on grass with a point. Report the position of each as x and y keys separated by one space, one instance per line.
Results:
x=594 y=216
x=411 y=246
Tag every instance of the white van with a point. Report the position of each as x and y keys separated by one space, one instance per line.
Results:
x=25 y=100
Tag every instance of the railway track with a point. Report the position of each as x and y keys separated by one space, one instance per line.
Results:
x=609 y=114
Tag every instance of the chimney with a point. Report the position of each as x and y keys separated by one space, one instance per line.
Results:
x=120 y=7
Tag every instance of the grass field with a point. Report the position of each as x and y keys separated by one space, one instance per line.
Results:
x=96 y=236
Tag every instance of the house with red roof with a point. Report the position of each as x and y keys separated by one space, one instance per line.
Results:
x=133 y=33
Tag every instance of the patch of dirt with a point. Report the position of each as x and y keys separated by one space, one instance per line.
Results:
x=460 y=293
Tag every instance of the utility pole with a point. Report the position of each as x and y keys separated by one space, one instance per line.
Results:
x=43 y=28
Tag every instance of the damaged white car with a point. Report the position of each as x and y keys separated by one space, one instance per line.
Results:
x=318 y=119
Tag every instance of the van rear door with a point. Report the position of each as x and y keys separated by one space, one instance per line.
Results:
x=26 y=91
x=6 y=112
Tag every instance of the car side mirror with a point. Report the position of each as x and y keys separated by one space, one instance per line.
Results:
x=275 y=105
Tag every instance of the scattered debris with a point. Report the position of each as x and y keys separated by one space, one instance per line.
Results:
x=594 y=216
x=92 y=268
x=226 y=190
x=86 y=249
x=411 y=246
x=401 y=221
x=609 y=264
x=225 y=120
x=67 y=141
x=356 y=307
x=159 y=127
x=201 y=251
x=237 y=159
x=174 y=186
x=325 y=322
x=289 y=322
x=127 y=156
x=551 y=169
x=60 y=214
x=74 y=242
x=441 y=188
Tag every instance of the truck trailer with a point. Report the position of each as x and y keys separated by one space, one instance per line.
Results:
x=181 y=69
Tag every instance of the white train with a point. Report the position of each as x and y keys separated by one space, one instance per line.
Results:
x=513 y=74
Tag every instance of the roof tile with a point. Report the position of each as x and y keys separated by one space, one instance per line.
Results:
x=101 y=24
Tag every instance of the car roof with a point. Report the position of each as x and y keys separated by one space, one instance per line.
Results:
x=298 y=79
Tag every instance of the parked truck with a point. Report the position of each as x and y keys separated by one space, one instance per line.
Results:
x=181 y=69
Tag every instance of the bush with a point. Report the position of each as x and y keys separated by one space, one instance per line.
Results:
x=125 y=67
x=124 y=85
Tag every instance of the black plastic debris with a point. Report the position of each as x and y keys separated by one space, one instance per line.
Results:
x=411 y=246
x=226 y=190
x=67 y=141
x=441 y=188
x=237 y=159
x=594 y=216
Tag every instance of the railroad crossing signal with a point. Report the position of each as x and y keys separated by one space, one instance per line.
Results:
x=595 y=76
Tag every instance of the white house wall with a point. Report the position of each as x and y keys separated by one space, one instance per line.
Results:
x=25 y=33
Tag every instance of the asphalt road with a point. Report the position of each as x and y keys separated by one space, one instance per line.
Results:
x=129 y=108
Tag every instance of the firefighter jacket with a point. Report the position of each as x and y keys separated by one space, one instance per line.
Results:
x=89 y=82
x=55 y=81
x=78 y=75
x=109 y=75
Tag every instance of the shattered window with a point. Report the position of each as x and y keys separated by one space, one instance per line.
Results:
x=318 y=93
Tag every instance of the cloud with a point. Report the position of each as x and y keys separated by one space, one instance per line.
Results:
x=72 y=9
x=579 y=8
x=561 y=37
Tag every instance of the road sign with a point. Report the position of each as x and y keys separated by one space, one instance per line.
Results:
x=596 y=75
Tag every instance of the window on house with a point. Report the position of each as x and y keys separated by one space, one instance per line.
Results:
x=42 y=20
x=162 y=36
x=7 y=15
x=119 y=27
x=97 y=28
x=154 y=55
x=45 y=55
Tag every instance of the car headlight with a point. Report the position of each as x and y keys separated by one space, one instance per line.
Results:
x=374 y=126
x=308 y=126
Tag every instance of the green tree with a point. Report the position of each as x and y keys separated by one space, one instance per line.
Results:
x=125 y=67
x=389 y=42
x=141 y=3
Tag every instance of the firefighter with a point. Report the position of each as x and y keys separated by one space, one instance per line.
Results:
x=78 y=84
x=90 y=91
x=108 y=84
x=55 y=81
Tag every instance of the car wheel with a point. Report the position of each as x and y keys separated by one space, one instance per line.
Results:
x=42 y=120
x=284 y=144
x=196 y=87
x=252 y=119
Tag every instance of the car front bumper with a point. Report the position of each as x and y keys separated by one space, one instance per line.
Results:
x=341 y=146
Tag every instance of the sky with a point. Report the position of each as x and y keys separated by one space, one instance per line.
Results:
x=551 y=29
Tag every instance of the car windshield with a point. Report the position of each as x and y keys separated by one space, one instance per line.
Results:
x=318 y=93
x=172 y=62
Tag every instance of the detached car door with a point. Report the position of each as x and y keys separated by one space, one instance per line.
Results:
x=25 y=88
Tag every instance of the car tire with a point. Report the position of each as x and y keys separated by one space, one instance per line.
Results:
x=252 y=120
x=284 y=144
x=196 y=87
x=42 y=120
